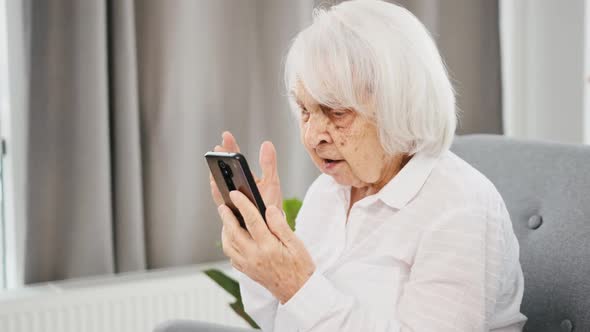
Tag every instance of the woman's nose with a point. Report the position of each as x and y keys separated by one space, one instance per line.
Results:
x=316 y=131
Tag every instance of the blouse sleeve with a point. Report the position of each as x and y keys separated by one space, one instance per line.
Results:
x=258 y=302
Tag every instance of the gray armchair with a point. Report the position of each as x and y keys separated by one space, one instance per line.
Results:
x=546 y=187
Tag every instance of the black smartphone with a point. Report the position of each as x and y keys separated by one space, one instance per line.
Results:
x=231 y=172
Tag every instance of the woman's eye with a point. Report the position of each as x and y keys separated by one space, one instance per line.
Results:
x=338 y=114
x=304 y=114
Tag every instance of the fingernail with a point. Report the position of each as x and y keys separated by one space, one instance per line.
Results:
x=233 y=195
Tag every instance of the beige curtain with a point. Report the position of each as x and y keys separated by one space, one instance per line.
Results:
x=467 y=34
x=124 y=98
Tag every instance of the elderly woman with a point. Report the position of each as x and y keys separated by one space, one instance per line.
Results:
x=398 y=233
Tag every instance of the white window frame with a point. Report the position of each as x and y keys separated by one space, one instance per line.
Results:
x=587 y=73
x=544 y=91
x=13 y=130
x=4 y=104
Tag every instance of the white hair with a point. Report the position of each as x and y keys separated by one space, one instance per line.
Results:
x=377 y=59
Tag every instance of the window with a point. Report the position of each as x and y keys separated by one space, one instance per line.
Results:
x=4 y=105
x=544 y=56
x=587 y=74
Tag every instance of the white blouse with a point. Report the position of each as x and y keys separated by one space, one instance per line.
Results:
x=434 y=250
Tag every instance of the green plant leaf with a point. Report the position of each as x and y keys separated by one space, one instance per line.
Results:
x=230 y=285
x=233 y=287
x=291 y=207
x=238 y=308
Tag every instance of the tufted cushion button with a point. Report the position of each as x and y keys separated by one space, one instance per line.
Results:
x=566 y=325
x=535 y=221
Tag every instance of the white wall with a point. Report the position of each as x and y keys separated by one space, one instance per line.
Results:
x=544 y=60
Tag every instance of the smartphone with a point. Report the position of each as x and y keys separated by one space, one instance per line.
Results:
x=231 y=172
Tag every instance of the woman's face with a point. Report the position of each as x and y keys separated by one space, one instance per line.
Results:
x=342 y=143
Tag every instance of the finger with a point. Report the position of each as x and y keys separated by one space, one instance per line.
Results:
x=279 y=227
x=216 y=194
x=228 y=248
x=252 y=218
x=238 y=237
x=217 y=198
x=238 y=264
x=268 y=162
x=229 y=142
x=235 y=258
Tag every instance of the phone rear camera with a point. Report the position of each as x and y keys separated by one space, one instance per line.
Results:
x=225 y=169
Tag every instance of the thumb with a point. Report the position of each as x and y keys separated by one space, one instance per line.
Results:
x=278 y=225
x=268 y=162
x=229 y=142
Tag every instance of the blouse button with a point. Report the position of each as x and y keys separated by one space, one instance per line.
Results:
x=566 y=325
x=535 y=221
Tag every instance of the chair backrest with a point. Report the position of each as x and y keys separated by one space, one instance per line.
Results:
x=196 y=326
x=546 y=187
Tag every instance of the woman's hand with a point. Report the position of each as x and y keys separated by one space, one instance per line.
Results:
x=269 y=186
x=273 y=256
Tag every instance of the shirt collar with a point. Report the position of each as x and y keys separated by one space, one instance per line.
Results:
x=406 y=184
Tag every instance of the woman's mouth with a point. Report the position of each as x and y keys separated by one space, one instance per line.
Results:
x=329 y=165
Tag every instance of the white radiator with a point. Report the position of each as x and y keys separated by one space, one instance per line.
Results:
x=129 y=303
